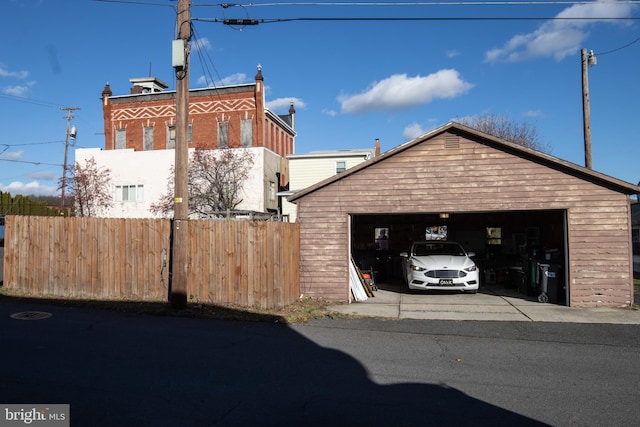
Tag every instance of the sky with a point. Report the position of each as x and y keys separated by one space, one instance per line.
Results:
x=375 y=75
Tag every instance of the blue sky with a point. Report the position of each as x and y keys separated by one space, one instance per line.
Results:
x=351 y=81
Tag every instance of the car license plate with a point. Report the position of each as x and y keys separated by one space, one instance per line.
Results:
x=445 y=282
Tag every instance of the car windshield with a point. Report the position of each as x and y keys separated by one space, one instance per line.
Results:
x=422 y=249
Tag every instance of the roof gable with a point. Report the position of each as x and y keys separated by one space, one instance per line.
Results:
x=454 y=128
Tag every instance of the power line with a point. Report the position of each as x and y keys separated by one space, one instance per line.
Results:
x=420 y=3
x=31 y=163
x=256 y=21
x=139 y=3
x=619 y=48
x=33 y=143
x=30 y=101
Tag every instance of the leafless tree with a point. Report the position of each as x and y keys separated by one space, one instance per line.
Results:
x=215 y=182
x=504 y=127
x=90 y=186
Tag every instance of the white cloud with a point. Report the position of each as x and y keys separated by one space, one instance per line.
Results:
x=400 y=92
x=329 y=112
x=4 y=72
x=533 y=113
x=13 y=155
x=453 y=53
x=15 y=90
x=201 y=81
x=413 y=131
x=43 y=176
x=202 y=43
x=33 y=188
x=559 y=38
x=282 y=103
x=234 y=79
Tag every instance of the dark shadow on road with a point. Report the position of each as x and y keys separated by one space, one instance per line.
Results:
x=125 y=369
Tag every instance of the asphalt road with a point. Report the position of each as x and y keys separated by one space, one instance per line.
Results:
x=123 y=369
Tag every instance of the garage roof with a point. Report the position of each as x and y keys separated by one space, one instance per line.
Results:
x=498 y=143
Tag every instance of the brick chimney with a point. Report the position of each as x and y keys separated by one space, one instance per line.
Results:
x=292 y=115
x=377 y=147
x=106 y=93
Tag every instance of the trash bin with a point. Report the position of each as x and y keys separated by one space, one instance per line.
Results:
x=554 y=283
x=549 y=283
x=543 y=296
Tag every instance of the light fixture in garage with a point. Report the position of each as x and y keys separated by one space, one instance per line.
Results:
x=444 y=215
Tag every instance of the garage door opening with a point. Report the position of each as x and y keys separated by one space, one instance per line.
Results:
x=521 y=253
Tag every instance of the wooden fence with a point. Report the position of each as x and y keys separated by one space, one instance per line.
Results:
x=245 y=263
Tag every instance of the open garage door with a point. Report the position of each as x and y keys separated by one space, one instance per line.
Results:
x=521 y=251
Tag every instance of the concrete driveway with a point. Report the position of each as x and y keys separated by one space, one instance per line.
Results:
x=490 y=303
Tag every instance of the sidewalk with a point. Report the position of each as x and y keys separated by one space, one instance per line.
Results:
x=491 y=303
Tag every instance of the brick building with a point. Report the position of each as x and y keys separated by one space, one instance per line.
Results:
x=140 y=131
x=228 y=116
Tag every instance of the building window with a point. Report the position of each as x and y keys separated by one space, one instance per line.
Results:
x=382 y=238
x=148 y=138
x=341 y=166
x=223 y=134
x=129 y=193
x=494 y=236
x=171 y=136
x=121 y=139
x=246 y=132
x=272 y=191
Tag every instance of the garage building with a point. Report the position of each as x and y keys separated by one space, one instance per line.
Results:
x=526 y=215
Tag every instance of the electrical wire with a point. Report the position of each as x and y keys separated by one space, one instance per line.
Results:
x=30 y=101
x=619 y=48
x=205 y=61
x=419 y=3
x=256 y=21
x=33 y=143
x=139 y=3
x=32 y=163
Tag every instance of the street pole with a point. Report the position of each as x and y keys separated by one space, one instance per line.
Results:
x=63 y=182
x=178 y=288
x=586 y=107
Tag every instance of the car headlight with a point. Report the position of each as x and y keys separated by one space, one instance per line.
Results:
x=472 y=268
x=417 y=268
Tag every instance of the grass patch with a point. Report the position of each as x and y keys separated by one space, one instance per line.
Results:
x=301 y=311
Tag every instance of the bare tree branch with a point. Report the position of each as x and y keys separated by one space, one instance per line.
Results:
x=90 y=186
x=504 y=127
x=216 y=179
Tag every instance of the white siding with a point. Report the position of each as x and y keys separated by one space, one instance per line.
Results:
x=307 y=170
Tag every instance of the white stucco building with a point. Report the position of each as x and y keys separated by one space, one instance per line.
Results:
x=139 y=179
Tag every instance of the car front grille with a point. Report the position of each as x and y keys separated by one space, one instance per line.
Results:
x=445 y=274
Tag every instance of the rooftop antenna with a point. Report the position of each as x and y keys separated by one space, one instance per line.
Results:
x=149 y=68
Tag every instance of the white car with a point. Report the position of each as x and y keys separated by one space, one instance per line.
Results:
x=440 y=265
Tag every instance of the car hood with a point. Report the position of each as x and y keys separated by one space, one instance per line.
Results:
x=442 y=262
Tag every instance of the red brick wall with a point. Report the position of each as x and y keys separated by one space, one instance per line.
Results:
x=137 y=112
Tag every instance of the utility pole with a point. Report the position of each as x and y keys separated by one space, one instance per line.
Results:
x=178 y=290
x=587 y=59
x=70 y=134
